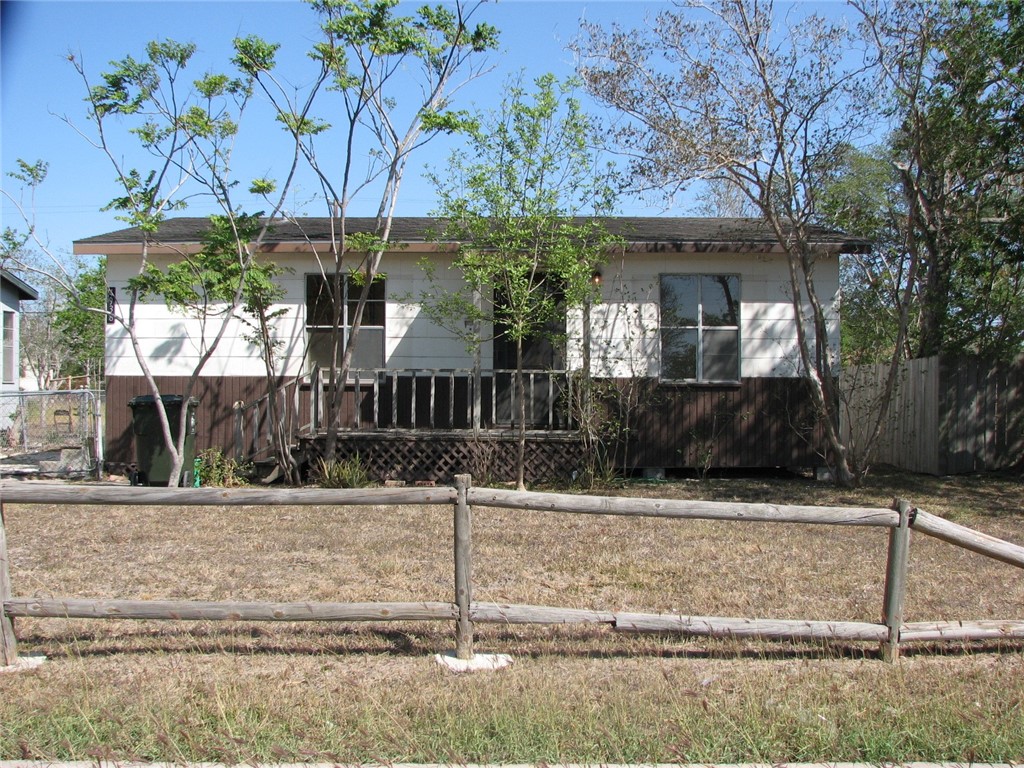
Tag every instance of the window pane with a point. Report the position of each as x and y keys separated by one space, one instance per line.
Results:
x=679 y=300
x=369 y=349
x=368 y=352
x=373 y=312
x=678 y=354
x=319 y=351
x=318 y=301
x=721 y=355
x=720 y=299
x=320 y=306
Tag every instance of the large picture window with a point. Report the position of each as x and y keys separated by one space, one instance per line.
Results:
x=700 y=327
x=369 y=348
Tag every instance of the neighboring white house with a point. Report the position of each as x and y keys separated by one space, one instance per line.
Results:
x=13 y=291
x=697 y=308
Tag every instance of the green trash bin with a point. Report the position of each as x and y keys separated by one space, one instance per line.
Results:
x=152 y=459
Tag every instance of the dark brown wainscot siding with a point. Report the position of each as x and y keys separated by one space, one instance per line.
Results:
x=760 y=422
x=215 y=414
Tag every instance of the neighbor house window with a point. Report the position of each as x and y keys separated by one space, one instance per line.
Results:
x=369 y=348
x=700 y=327
x=10 y=364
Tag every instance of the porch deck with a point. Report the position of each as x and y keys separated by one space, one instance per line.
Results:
x=755 y=423
x=426 y=425
x=425 y=456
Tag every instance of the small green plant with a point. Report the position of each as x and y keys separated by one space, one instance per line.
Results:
x=216 y=469
x=341 y=473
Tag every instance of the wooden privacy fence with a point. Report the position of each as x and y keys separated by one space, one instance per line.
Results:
x=948 y=415
x=464 y=612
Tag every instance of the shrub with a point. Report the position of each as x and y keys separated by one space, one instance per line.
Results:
x=216 y=469
x=341 y=473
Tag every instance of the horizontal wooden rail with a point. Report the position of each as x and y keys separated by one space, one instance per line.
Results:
x=504 y=613
x=185 y=610
x=484 y=613
x=681 y=509
x=48 y=493
x=787 y=629
x=704 y=626
x=968 y=538
x=924 y=631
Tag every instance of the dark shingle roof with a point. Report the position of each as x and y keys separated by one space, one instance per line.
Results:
x=25 y=291
x=642 y=233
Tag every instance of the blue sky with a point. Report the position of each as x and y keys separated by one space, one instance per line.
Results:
x=38 y=86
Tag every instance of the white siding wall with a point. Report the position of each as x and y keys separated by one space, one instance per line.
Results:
x=10 y=303
x=173 y=343
x=624 y=325
x=413 y=341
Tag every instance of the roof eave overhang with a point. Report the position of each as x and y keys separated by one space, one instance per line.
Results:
x=305 y=246
x=187 y=249
x=25 y=291
x=717 y=246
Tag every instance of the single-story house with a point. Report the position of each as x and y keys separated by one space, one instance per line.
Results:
x=13 y=291
x=693 y=343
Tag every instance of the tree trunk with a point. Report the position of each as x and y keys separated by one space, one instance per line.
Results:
x=823 y=395
x=520 y=389
x=282 y=440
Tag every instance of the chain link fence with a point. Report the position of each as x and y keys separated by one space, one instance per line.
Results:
x=60 y=430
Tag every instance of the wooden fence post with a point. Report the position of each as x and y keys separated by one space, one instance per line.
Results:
x=896 y=580
x=463 y=566
x=8 y=642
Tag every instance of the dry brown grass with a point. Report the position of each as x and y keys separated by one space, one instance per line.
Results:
x=235 y=692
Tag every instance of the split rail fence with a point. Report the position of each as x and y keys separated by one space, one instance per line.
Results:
x=890 y=632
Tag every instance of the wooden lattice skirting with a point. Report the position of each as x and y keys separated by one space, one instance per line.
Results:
x=439 y=456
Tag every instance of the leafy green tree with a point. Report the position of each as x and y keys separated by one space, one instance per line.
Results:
x=81 y=323
x=730 y=93
x=371 y=59
x=952 y=74
x=520 y=202
x=186 y=130
x=881 y=311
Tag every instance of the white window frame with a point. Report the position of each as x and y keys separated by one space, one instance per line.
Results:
x=349 y=292
x=700 y=329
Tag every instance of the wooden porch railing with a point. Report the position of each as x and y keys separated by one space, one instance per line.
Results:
x=254 y=432
x=384 y=399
